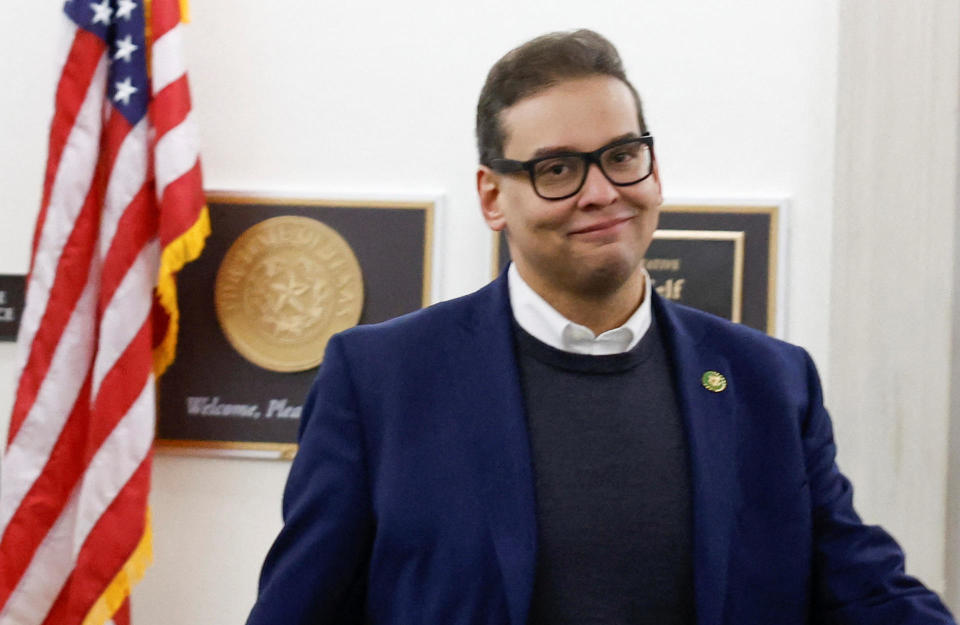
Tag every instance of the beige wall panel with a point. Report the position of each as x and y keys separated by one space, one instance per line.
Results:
x=893 y=262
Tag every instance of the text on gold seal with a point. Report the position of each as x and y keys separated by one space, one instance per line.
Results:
x=285 y=286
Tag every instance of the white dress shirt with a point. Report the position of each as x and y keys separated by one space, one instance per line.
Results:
x=544 y=323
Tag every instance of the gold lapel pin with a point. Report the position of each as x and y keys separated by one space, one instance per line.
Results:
x=713 y=381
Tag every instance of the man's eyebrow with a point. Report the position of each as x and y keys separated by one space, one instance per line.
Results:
x=552 y=150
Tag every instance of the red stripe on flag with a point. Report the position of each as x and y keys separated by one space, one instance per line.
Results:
x=46 y=498
x=115 y=132
x=71 y=278
x=120 y=388
x=171 y=106
x=181 y=204
x=107 y=548
x=79 y=441
x=78 y=72
x=122 y=617
x=136 y=227
x=165 y=15
x=161 y=321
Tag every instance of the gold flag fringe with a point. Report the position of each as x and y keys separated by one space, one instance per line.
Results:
x=178 y=253
x=119 y=589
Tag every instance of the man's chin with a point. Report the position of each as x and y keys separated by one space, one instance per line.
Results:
x=600 y=280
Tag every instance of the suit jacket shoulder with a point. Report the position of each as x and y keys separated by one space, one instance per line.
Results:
x=757 y=363
x=422 y=327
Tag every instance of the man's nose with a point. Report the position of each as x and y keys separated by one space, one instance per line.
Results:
x=597 y=190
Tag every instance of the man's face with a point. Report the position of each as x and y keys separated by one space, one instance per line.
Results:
x=594 y=241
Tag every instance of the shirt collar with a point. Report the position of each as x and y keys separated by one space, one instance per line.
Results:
x=544 y=323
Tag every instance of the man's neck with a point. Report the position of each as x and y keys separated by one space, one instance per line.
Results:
x=598 y=311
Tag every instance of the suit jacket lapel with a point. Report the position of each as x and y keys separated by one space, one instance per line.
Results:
x=710 y=420
x=489 y=386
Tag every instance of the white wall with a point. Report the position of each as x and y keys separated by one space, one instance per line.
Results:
x=327 y=98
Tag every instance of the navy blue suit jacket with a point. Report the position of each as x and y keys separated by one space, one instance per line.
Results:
x=411 y=499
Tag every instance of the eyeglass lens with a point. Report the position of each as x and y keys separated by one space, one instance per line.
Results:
x=561 y=176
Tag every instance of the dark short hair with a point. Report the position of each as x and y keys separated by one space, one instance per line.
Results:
x=536 y=66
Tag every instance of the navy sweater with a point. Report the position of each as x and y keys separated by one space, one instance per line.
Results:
x=612 y=484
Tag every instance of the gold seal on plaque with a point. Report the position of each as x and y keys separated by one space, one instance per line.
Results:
x=285 y=286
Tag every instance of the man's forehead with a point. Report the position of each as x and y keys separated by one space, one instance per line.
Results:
x=579 y=114
x=547 y=150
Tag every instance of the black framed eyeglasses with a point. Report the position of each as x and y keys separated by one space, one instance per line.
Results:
x=559 y=176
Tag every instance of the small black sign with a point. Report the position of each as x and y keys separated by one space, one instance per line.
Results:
x=699 y=268
x=12 y=289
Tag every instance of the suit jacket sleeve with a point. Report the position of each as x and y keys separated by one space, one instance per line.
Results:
x=315 y=571
x=858 y=570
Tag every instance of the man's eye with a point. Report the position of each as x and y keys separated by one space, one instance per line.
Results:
x=553 y=169
x=623 y=156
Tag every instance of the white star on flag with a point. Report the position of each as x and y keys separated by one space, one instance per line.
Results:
x=125 y=47
x=124 y=90
x=101 y=12
x=125 y=9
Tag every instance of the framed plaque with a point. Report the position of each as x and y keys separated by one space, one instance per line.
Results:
x=702 y=268
x=276 y=279
x=719 y=258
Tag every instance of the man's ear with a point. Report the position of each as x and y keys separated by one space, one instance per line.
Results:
x=488 y=190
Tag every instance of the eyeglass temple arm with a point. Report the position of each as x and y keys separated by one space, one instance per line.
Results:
x=506 y=165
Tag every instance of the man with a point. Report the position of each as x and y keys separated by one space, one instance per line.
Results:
x=563 y=446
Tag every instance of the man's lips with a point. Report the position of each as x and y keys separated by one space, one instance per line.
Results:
x=602 y=225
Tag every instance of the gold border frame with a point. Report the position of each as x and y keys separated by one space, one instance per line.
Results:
x=280 y=451
x=773 y=236
x=286 y=451
x=737 y=237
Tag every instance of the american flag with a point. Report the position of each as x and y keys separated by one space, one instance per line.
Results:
x=122 y=211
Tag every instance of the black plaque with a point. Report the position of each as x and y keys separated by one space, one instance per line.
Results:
x=699 y=268
x=694 y=259
x=212 y=397
x=11 y=305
